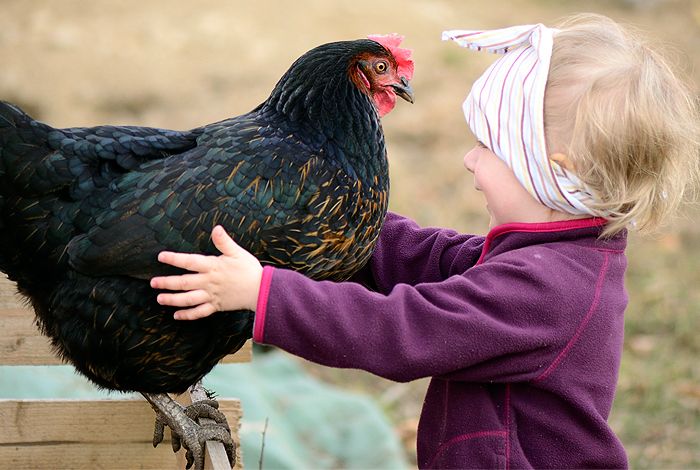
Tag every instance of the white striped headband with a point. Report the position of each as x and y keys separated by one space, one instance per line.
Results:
x=505 y=111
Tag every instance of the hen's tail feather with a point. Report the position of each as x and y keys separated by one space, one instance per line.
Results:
x=37 y=159
x=27 y=166
x=29 y=177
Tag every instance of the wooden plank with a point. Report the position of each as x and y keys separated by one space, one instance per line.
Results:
x=21 y=343
x=245 y=354
x=94 y=434
x=78 y=456
x=51 y=420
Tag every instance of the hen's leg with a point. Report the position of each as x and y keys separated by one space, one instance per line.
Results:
x=184 y=428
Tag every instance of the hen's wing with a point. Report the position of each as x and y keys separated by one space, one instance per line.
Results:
x=48 y=175
x=260 y=182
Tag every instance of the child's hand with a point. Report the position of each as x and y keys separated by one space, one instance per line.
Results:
x=230 y=281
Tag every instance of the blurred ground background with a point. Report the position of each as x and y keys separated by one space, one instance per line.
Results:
x=180 y=64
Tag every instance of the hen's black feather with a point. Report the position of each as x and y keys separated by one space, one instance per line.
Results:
x=301 y=181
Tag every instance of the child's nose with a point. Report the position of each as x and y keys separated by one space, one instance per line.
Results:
x=469 y=160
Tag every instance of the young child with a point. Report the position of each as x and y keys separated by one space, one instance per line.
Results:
x=583 y=131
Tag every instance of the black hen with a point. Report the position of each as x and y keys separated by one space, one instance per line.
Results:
x=301 y=181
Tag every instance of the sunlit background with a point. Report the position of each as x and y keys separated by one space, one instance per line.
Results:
x=180 y=64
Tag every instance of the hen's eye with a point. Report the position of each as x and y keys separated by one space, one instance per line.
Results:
x=380 y=67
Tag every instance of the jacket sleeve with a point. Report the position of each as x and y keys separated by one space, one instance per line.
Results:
x=408 y=254
x=489 y=324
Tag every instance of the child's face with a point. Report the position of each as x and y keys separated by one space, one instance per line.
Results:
x=506 y=199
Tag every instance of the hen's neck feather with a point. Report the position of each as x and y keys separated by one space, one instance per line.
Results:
x=317 y=93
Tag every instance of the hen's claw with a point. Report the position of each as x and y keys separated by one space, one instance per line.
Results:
x=207 y=409
x=185 y=431
x=159 y=430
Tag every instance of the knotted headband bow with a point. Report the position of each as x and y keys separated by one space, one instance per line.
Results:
x=505 y=111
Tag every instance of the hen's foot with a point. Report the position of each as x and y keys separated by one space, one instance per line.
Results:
x=185 y=431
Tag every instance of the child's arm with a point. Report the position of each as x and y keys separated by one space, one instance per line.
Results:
x=492 y=322
x=422 y=254
x=477 y=327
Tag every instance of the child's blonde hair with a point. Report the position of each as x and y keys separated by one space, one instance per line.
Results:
x=626 y=122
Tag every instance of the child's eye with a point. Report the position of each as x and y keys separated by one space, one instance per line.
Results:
x=480 y=144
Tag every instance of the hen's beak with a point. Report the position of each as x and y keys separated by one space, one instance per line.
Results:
x=404 y=90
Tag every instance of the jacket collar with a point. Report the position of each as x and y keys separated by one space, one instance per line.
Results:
x=516 y=235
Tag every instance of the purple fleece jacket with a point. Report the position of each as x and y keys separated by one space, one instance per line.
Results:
x=521 y=332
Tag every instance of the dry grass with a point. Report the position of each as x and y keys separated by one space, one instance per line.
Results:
x=180 y=64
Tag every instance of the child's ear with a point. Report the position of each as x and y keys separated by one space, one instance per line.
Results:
x=562 y=160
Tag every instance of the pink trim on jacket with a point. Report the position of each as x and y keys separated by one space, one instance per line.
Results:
x=261 y=307
x=538 y=227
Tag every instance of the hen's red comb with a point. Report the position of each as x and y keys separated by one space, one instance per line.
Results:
x=403 y=56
